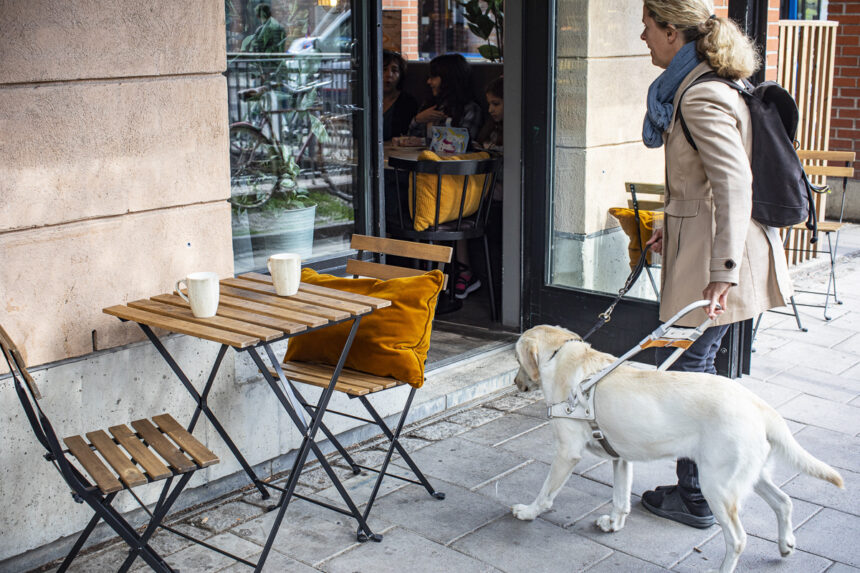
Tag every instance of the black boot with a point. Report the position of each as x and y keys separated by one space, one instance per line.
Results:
x=684 y=502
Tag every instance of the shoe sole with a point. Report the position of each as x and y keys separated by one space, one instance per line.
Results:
x=469 y=290
x=681 y=517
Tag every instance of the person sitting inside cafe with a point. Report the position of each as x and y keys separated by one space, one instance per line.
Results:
x=398 y=107
x=451 y=85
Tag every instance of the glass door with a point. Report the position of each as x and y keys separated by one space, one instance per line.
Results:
x=576 y=231
x=296 y=120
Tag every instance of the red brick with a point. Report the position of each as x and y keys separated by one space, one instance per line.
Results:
x=844 y=82
x=849 y=92
x=848 y=134
x=847 y=19
x=850 y=51
x=849 y=7
x=847 y=61
x=843 y=102
x=842 y=123
x=849 y=112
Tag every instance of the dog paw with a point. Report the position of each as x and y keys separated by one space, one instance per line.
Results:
x=524 y=512
x=607 y=524
x=786 y=546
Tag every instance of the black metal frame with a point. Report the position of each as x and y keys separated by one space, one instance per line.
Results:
x=465 y=227
x=85 y=492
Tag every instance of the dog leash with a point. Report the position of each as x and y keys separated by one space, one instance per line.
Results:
x=606 y=315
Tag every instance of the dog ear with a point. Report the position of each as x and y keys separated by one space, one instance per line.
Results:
x=527 y=352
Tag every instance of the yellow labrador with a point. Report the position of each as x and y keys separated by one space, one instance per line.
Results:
x=727 y=430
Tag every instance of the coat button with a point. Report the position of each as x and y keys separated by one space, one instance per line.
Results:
x=730 y=264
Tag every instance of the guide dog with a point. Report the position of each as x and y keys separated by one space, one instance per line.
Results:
x=731 y=433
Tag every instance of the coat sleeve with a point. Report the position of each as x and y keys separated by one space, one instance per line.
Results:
x=709 y=110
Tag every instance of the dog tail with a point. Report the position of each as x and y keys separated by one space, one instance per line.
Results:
x=783 y=441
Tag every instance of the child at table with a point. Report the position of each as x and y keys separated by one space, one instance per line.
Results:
x=450 y=83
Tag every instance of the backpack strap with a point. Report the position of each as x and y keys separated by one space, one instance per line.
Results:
x=708 y=77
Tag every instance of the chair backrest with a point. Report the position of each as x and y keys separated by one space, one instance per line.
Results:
x=467 y=168
x=817 y=164
x=648 y=196
x=433 y=255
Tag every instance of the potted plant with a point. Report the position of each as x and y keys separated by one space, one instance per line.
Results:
x=485 y=23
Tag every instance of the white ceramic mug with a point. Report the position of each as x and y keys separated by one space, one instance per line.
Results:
x=202 y=293
x=286 y=271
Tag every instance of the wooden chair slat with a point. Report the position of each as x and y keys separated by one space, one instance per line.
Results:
x=163 y=446
x=814 y=154
x=141 y=454
x=104 y=478
x=283 y=302
x=182 y=326
x=646 y=204
x=647 y=188
x=397 y=247
x=384 y=272
x=191 y=445
x=829 y=170
x=127 y=471
x=224 y=323
x=242 y=315
x=322 y=382
x=271 y=310
x=347 y=375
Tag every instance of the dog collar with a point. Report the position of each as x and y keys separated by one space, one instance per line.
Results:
x=560 y=347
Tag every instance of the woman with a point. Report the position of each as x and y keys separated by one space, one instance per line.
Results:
x=712 y=249
x=451 y=86
x=398 y=107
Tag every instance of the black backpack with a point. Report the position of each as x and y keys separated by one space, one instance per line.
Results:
x=782 y=194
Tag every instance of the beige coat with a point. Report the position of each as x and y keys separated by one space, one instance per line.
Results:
x=708 y=232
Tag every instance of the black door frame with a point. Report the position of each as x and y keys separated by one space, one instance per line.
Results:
x=572 y=308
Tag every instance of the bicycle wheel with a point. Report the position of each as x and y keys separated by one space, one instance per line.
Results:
x=254 y=166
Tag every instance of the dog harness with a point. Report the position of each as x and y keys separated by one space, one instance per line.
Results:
x=580 y=402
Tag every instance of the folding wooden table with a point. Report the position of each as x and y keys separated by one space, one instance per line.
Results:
x=250 y=317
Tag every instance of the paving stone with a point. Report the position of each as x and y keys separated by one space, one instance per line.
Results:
x=308 y=533
x=831 y=534
x=533 y=395
x=759 y=519
x=359 y=487
x=578 y=497
x=475 y=417
x=824 y=334
x=759 y=555
x=646 y=475
x=367 y=458
x=254 y=498
x=534 y=410
x=540 y=445
x=166 y=543
x=824 y=359
x=502 y=429
x=409 y=444
x=770 y=392
x=464 y=463
x=850 y=345
x=813 y=382
x=853 y=373
x=619 y=562
x=823 y=413
x=767 y=341
x=764 y=368
x=647 y=536
x=794 y=426
x=509 y=403
x=109 y=559
x=438 y=431
x=842 y=568
x=514 y=545
x=196 y=558
x=317 y=478
x=444 y=520
x=835 y=448
x=222 y=517
x=275 y=563
x=826 y=494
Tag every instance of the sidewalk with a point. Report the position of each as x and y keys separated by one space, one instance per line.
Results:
x=491 y=455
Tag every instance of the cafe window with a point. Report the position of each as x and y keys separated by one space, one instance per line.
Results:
x=293 y=169
x=443 y=28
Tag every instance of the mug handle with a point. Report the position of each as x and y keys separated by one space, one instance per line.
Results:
x=179 y=291
x=269 y=266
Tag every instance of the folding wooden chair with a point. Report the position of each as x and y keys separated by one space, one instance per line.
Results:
x=359 y=385
x=154 y=450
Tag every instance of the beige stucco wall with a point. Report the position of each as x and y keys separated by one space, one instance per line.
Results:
x=603 y=73
x=113 y=158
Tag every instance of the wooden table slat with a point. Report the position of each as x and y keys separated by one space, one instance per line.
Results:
x=283 y=302
x=182 y=326
x=163 y=446
x=271 y=310
x=127 y=471
x=220 y=322
x=141 y=454
x=104 y=478
x=186 y=441
x=243 y=315
x=371 y=301
x=323 y=299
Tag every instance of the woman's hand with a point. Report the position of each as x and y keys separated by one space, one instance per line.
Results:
x=430 y=115
x=716 y=292
x=656 y=241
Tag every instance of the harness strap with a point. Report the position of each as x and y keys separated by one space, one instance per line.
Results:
x=601 y=439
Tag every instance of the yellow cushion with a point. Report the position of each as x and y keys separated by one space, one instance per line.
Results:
x=627 y=218
x=452 y=191
x=392 y=341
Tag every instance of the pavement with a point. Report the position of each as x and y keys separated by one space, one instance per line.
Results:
x=491 y=454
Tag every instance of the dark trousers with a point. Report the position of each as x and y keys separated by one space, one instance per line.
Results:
x=698 y=358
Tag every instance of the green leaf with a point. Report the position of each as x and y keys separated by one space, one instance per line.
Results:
x=490 y=52
x=318 y=129
x=477 y=31
x=486 y=24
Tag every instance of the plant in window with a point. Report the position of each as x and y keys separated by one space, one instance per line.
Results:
x=485 y=23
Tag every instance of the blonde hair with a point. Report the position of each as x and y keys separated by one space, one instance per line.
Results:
x=719 y=41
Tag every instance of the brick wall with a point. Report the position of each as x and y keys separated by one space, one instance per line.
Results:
x=845 y=117
x=409 y=25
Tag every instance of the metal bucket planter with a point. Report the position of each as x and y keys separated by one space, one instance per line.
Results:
x=281 y=231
